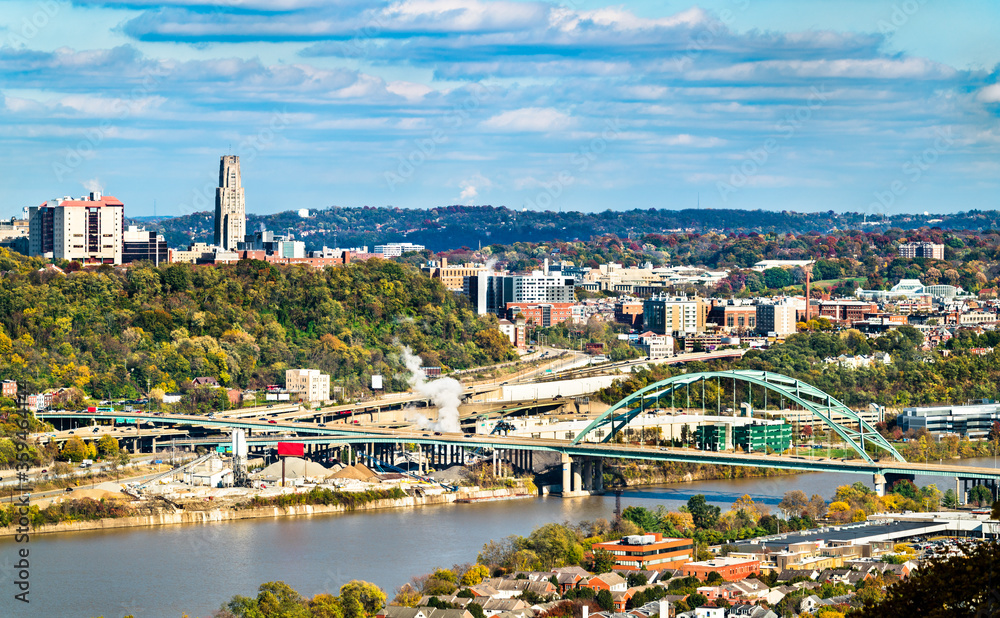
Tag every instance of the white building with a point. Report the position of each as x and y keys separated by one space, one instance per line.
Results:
x=88 y=229
x=654 y=345
x=541 y=288
x=396 y=249
x=309 y=383
x=777 y=318
x=765 y=264
x=910 y=288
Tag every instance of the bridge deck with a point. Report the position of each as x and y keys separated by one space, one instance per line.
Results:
x=342 y=434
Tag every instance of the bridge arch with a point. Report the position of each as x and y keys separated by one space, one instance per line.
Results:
x=820 y=404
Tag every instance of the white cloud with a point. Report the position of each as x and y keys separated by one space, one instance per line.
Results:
x=410 y=91
x=529 y=119
x=989 y=94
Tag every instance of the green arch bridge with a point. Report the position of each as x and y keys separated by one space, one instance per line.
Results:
x=823 y=407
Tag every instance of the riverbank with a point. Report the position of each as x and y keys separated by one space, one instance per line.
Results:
x=638 y=475
x=169 y=515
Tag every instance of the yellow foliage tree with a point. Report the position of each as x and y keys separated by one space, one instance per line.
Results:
x=839 y=507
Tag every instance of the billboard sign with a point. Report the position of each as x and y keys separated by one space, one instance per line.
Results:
x=377 y=382
x=291 y=449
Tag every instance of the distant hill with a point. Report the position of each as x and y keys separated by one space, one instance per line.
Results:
x=452 y=227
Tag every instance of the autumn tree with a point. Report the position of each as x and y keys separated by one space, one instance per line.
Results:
x=361 y=599
x=75 y=450
x=107 y=446
x=794 y=502
x=958 y=586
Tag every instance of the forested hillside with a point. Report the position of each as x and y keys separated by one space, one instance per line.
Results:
x=112 y=331
x=914 y=377
x=452 y=227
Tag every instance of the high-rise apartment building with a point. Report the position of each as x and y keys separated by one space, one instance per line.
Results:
x=921 y=250
x=666 y=315
x=491 y=293
x=230 y=205
x=778 y=318
x=88 y=229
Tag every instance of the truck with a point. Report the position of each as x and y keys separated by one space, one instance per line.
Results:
x=86 y=463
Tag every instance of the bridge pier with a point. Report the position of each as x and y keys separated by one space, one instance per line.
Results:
x=575 y=474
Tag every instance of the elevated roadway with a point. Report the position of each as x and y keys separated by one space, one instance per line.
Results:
x=312 y=433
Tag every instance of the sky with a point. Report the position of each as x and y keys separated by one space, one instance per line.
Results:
x=881 y=107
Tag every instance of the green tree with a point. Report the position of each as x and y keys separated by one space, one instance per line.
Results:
x=950 y=500
x=605 y=600
x=476 y=610
x=75 y=450
x=642 y=517
x=361 y=599
x=274 y=600
x=325 y=606
x=905 y=488
x=555 y=545
x=604 y=561
x=958 y=586
x=703 y=514
x=777 y=278
x=697 y=599
x=980 y=495
x=107 y=446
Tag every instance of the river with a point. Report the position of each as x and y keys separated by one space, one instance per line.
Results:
x=167 y=571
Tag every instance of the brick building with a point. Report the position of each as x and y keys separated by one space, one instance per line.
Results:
x=541 y=314
x=648 y=552
x=731 y=569
x=734 y=316
x=629 y=313
x=846 y=310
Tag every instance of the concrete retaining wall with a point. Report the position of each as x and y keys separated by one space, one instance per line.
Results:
x=225 y=514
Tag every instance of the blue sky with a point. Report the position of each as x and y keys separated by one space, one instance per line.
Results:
x=847 y=105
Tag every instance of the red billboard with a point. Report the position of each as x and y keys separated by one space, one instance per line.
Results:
x=291 y=449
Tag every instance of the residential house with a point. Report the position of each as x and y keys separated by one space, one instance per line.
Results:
x=398 y=611
x=454 y=600
x=612 y=582
x=493 y=607
x=709 y=611
x=750 y=611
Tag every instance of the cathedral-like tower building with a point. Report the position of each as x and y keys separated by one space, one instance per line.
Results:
x=230 y=205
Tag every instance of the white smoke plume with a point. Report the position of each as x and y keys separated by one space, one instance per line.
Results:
x=445 y=393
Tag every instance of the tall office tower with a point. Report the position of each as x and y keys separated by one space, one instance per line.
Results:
x=230 y=206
